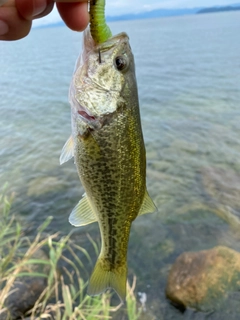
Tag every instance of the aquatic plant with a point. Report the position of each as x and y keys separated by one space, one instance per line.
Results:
x=64 y=295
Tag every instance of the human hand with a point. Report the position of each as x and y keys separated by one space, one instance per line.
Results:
x=16 y=15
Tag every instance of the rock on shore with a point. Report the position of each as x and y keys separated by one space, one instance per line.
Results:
x=201 y=280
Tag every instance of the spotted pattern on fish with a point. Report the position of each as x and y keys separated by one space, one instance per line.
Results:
x=109 y=153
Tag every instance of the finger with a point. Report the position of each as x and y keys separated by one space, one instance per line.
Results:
x=12 y=25
x=75 y=15
x=16 y=15
x=34 y=9
x=68 y=1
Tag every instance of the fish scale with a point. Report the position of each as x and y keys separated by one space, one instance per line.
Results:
x=109 y=153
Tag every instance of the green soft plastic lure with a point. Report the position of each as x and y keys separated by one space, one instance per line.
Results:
x=100 y=31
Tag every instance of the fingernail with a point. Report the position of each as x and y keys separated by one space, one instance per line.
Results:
x=39 y=7
x=3 y=28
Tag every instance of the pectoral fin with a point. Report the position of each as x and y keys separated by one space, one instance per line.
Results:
x=147 y=206
x=82 y=214
x=67 y=151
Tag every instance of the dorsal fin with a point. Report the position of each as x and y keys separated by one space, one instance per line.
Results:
x=82 y=214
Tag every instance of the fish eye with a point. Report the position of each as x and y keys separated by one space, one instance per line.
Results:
x=121 y=63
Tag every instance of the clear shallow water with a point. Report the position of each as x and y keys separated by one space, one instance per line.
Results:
x=188 y=72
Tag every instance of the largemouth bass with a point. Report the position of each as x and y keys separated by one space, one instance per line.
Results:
x=108 y=149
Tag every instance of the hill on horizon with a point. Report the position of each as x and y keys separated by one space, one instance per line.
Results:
x=158 y=13
x=154 y=14
x=235 y=7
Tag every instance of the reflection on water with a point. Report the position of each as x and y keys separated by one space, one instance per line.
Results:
x=188 y=78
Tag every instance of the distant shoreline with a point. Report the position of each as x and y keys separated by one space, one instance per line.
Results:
x=159 y=13
x=219 y=9
x=173 y=13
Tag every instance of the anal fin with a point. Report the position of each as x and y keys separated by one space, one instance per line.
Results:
x=147 y=206
x=82 y=214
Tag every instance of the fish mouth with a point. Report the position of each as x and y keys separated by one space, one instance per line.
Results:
x=83 y=114
x=92 y=121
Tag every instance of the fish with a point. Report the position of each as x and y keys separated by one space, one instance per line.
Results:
x=108 y=149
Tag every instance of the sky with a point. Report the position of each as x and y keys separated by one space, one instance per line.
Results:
x=119 y=7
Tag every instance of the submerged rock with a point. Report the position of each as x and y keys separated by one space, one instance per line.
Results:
x=26 y=290
x=43 y=185
x=226 y=213
x=223 y=186
x=184 y=145
x=201 y=280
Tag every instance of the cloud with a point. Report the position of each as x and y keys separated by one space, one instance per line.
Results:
x=53 y=17
x=119 y=7
x=134 y=6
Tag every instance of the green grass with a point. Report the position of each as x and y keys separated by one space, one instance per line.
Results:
x=64 y=297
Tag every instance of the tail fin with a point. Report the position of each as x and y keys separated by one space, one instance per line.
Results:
x=103 y=277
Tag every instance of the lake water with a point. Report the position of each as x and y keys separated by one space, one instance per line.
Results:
x=188 y=71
